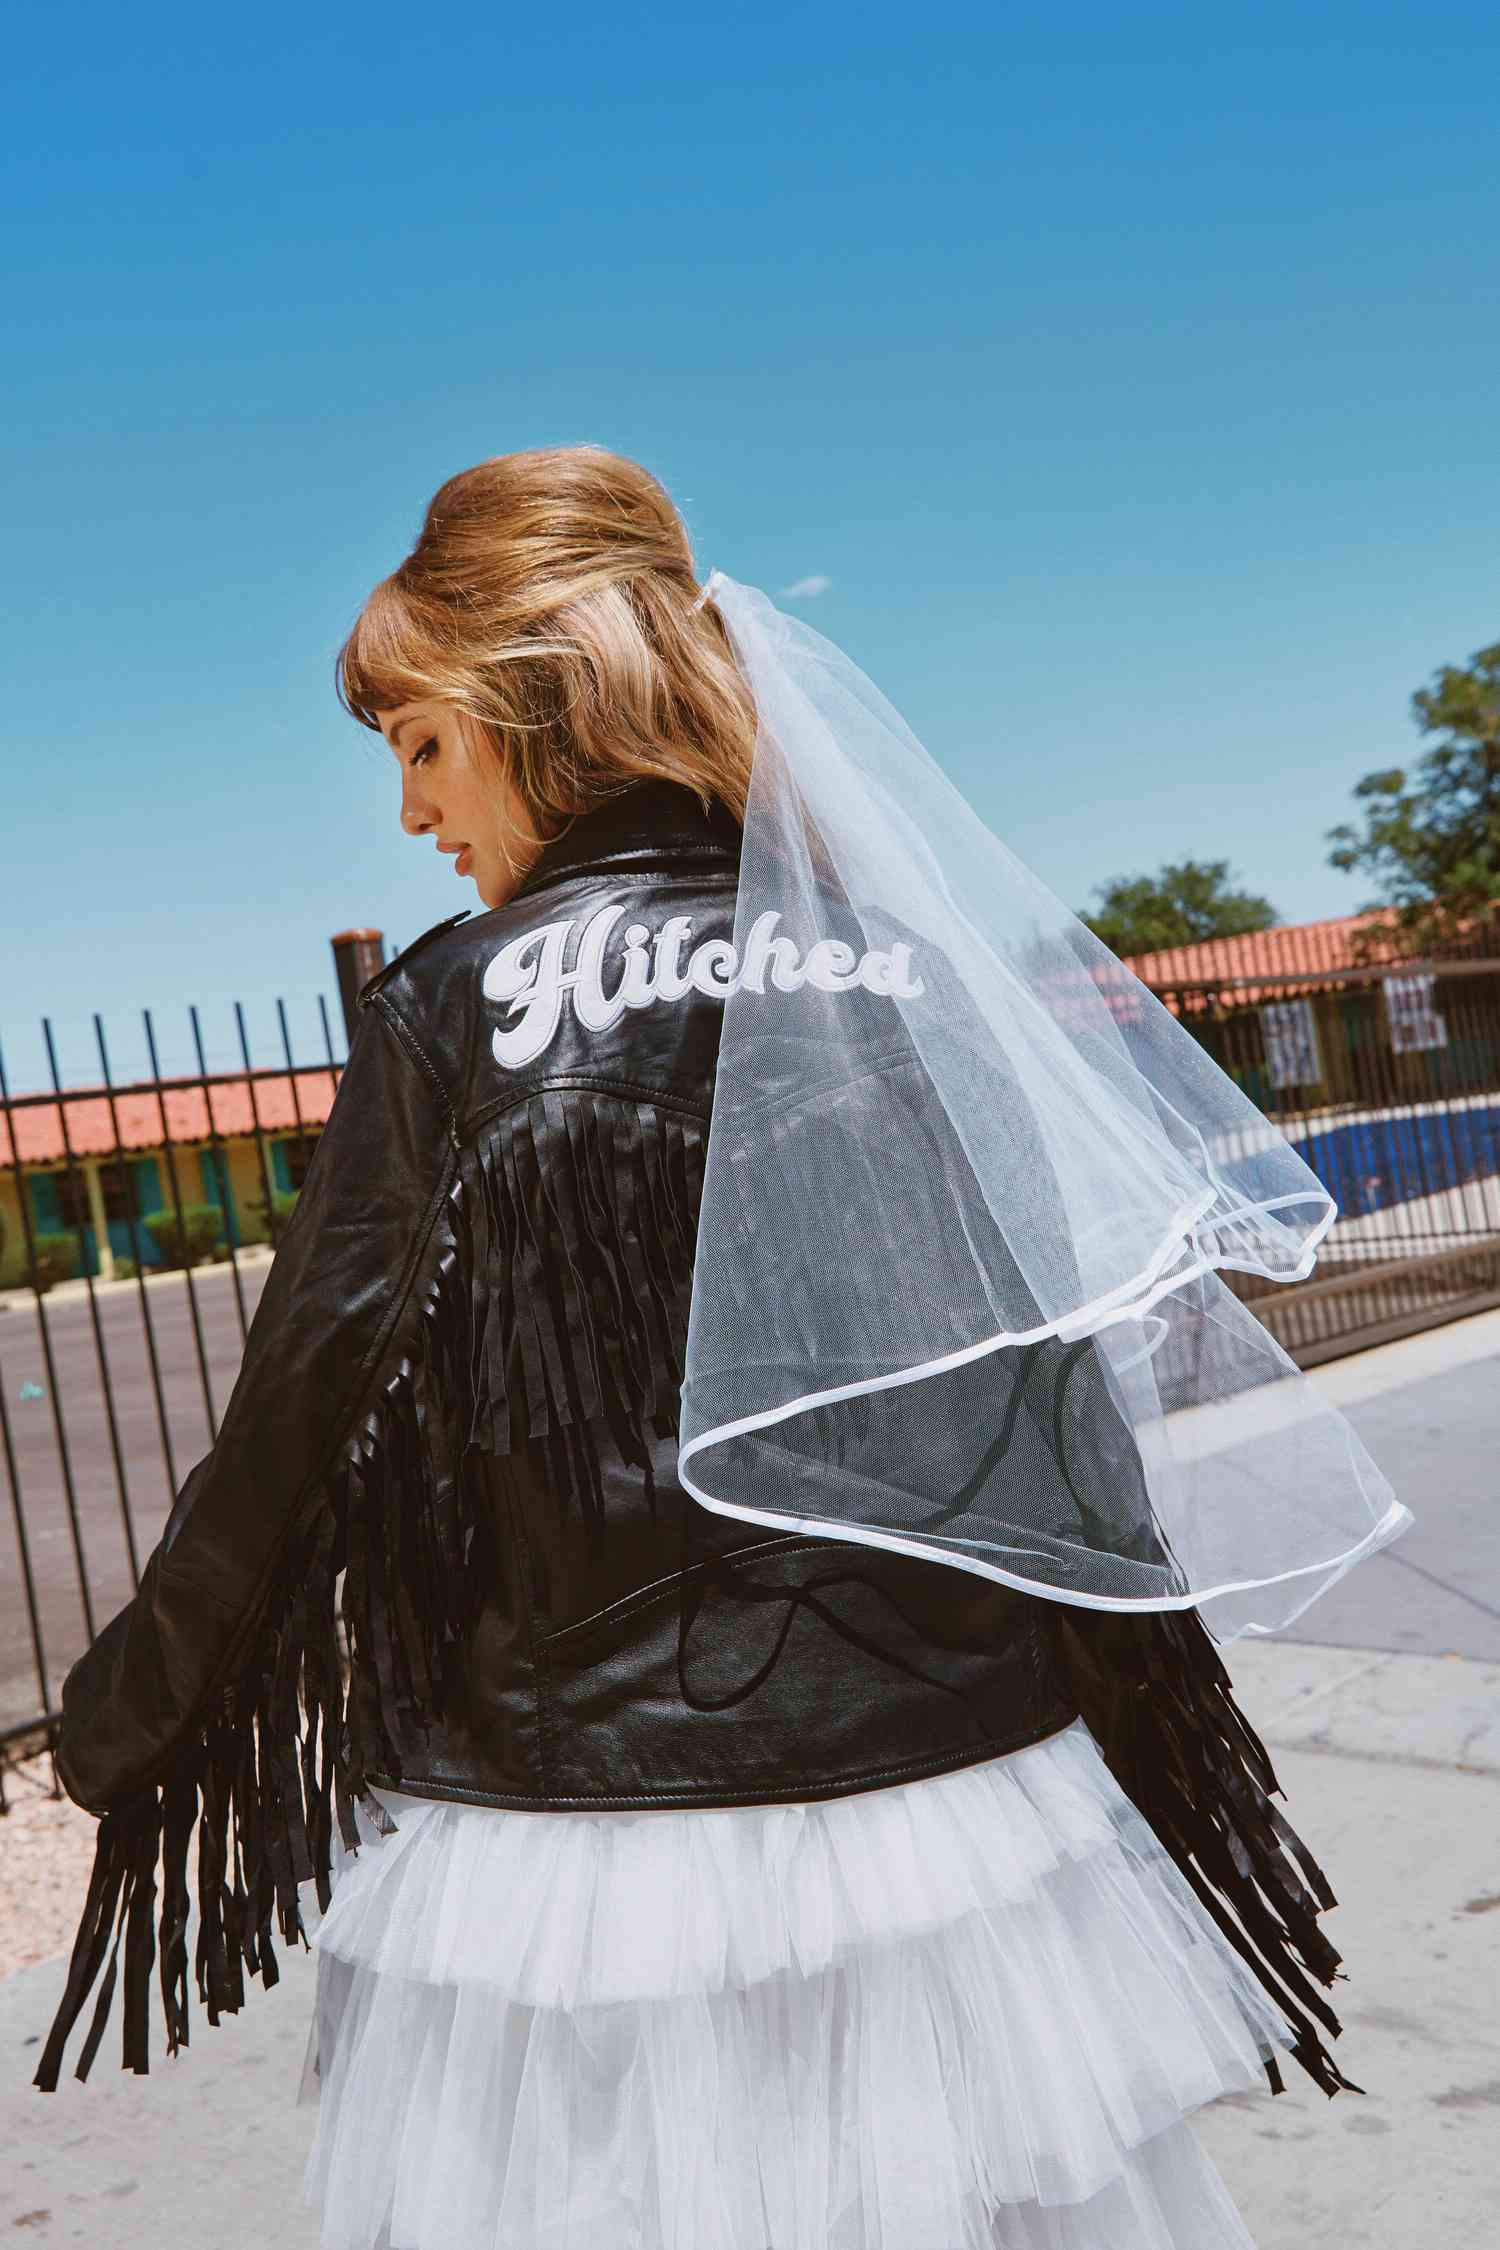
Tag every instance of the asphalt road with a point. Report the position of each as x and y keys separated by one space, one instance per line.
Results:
x=157 y=1449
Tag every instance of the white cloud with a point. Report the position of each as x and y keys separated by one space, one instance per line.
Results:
x=804 y=589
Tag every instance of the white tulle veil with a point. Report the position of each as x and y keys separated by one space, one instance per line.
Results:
x=970 y=1195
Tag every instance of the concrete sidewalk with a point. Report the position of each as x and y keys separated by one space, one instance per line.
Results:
x=1391 y=1768
x=1388 y=1749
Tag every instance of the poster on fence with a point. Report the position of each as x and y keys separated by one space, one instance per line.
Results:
x=1414 y=1022
x=1290 y=1031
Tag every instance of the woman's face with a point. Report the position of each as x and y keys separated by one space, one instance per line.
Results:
x=451 y=791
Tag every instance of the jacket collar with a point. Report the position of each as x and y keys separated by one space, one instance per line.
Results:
x=651 y=821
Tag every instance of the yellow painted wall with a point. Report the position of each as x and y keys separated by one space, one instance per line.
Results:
x=241 y=1156
x=13 y=1247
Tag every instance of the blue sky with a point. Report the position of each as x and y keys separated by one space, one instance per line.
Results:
x=1128 y=373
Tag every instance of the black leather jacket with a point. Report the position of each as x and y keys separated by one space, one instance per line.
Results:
x=454 y=1436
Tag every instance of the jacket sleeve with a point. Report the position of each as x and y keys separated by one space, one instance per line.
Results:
x=160 y=1713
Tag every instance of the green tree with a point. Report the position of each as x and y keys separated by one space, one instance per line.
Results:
x=1179 y=905
x=1431 y=838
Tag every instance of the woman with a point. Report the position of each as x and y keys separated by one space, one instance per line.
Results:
x=698 y=1858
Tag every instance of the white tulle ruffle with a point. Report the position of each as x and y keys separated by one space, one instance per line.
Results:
x=969 y=2012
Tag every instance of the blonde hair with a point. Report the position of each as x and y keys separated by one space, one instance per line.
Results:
x=550 y=596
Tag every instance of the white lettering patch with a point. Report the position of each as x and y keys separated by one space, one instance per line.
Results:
x=529 y=978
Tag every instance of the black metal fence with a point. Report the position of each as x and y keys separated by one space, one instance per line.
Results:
x=138 y=1221
x=1387 y=1076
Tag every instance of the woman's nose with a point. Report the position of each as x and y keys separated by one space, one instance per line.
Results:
x=416 y=814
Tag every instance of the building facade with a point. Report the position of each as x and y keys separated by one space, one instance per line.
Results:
x=94 y=1165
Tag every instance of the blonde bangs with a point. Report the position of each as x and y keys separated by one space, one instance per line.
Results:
x=388 y=659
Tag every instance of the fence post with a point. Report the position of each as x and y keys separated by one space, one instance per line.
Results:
x=357 y=954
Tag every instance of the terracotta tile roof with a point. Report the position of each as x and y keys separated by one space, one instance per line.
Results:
x=1293 y=949
x=39 y=1126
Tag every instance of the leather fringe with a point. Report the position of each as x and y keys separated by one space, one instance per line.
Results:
x=1154 y=1692
x=587 y=1207
x=558 y=1280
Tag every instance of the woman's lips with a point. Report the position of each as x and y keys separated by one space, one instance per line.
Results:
x=464 y=861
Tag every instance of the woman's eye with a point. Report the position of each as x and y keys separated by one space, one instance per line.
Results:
x=420 y=753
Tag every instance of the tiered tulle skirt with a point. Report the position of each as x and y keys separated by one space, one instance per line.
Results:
x=970 y=2012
